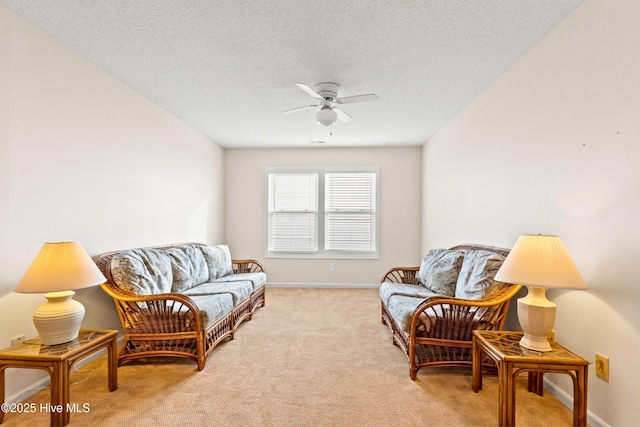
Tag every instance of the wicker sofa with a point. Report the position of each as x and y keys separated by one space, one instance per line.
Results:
x=180 y=300
x=432 y=309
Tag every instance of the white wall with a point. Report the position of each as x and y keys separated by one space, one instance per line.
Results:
x=553 y=147
x=399 y=203
x=83 y=157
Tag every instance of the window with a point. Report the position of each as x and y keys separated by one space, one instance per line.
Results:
x=326 y=212
x=293 y=212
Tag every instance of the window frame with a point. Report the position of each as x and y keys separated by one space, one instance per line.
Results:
x=321 y=213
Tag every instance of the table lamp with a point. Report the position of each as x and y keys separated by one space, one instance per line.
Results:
x=539 y=262
x=59 y=268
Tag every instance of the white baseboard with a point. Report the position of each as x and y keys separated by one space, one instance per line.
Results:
x=592 y=419
x=325 y=285
x=46 y=381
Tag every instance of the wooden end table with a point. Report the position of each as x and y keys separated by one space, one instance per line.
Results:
x=57 y=360
x=512 y=359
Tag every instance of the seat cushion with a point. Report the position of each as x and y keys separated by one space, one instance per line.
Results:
x=213 y=307
x=239 y=291
x=257 y=279
x=142 y=271
x=439 y=271
x=389 y=289
x=475 y=281
x=402 y=308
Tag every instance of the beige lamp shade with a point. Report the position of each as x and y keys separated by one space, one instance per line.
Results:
x=540 y=260
x=60 y=266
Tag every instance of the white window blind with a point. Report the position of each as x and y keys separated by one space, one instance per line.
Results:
x=350 y=211
x=293 y=212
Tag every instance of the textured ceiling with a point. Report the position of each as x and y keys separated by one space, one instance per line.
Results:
x=229 y=68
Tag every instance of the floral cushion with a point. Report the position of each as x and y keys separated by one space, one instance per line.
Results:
x=439 y=271
x=476 y=275
x=389 y=289
x=188 y=267
x=239 y=291
x=257 y=279
x=142 y=271
x=213 y=307
x=218 y=260
x=402 y=308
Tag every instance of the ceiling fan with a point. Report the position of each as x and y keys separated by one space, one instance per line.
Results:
x=327 y=94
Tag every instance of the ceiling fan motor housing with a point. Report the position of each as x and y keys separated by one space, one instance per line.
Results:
x=328 y=90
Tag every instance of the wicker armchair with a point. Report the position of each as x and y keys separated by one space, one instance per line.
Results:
x=447 y=340
x=170 y=324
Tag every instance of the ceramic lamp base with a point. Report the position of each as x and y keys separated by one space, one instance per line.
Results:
x=536 y=315
x=58 y=320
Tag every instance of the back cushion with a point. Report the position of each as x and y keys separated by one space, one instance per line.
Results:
x=188 y=267
x=476 y=275
x=439 y=271
x=142 y=271
x=218 y=260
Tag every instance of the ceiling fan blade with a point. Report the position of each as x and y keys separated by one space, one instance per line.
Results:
x=342 y=116
x=298 y=109
x=369 y=97
x=309 y=90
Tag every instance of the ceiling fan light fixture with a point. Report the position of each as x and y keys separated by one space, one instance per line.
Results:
x=326 y=116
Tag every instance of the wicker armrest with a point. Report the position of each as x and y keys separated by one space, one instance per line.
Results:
x=158 y=313
x=505 y=293
x=455 y=318
x=407 y=275
x=117 y=293
x=246 y=266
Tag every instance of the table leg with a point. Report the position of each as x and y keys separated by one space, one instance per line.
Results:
x=535 y=382
x=112 y=363
x=476 y=366
x=580 y=397
x=506 y=394
x=67 y=391
x=58 y=393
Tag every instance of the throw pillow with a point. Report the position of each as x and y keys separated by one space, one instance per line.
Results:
x=439 y=271
x=476 y=275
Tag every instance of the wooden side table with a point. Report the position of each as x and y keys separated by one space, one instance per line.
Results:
x=512 y=359
x=57 y=360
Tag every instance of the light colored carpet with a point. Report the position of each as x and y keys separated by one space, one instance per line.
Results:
x=311 y=357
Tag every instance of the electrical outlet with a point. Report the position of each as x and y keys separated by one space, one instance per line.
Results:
x=331 y=266
x=17 y=340
x=602 y=366
x=552 y=337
